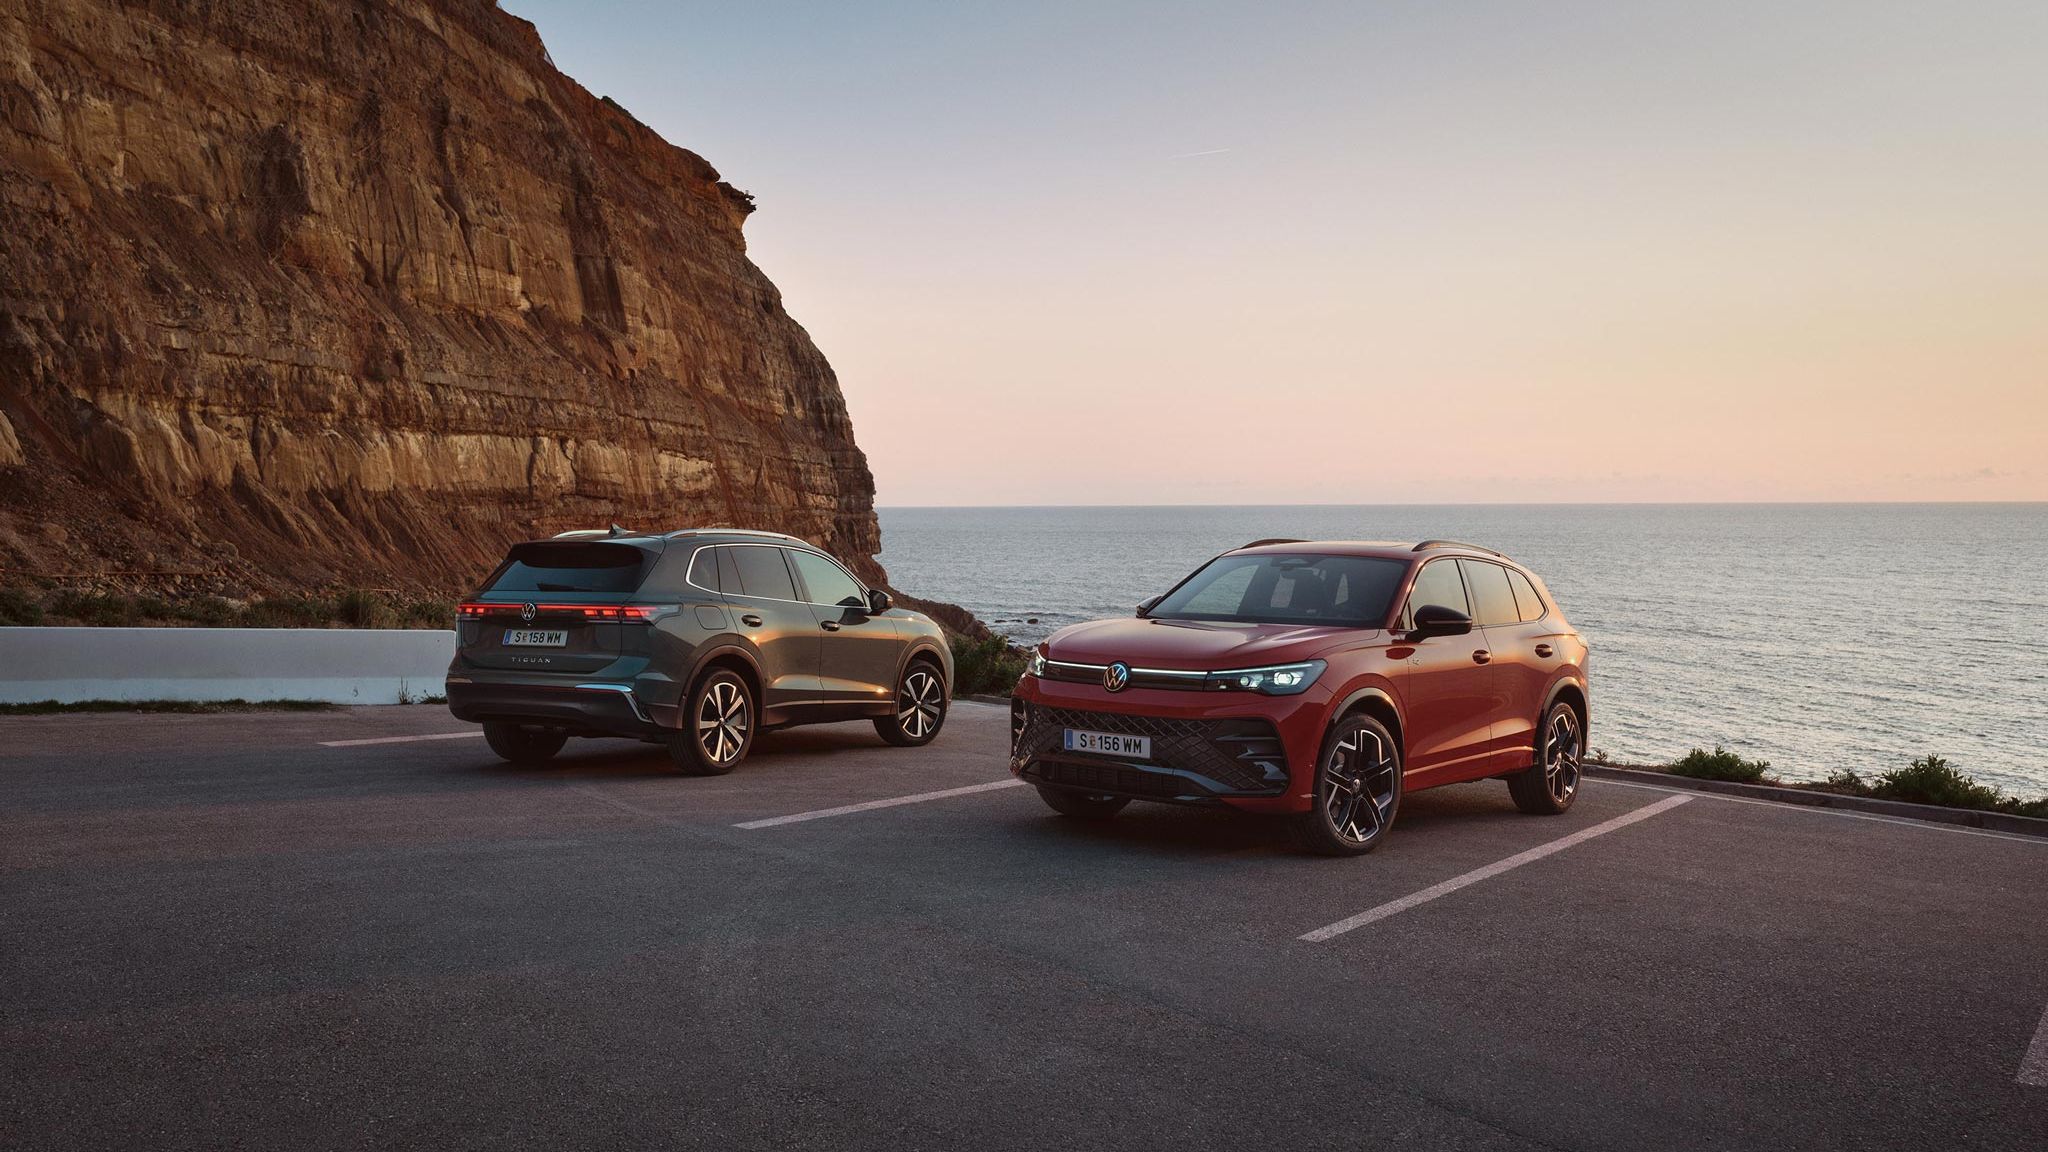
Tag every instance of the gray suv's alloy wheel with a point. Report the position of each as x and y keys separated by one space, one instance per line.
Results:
x=920 y=707
x=718 y=726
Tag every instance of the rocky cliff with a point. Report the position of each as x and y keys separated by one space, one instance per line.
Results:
x=296 y=294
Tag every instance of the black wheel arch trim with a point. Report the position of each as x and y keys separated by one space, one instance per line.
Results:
x=1573 y=684
x=706 y=658
x=925 y=647
x=1381 y=695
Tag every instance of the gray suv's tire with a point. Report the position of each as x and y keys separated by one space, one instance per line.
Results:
x=718 y=726
x=920 y=707
x=523 y=744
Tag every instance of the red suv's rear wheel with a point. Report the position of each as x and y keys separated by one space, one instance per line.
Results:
x=1549 y=786
x=1358 y=790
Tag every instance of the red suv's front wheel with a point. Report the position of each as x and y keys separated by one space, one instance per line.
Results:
x=1358 y=790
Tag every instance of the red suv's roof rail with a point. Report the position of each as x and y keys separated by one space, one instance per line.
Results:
x=1274 y=540
x=1426 y=545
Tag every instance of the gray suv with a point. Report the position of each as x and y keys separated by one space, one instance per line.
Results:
x=696 y=640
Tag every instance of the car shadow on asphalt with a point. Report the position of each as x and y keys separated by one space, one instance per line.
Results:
x=1193 y=830
x=606 y=758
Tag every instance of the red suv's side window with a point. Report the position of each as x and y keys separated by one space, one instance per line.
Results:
x=1493 y=600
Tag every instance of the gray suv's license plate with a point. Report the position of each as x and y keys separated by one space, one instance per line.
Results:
x=1109 y=743
x=536 y=637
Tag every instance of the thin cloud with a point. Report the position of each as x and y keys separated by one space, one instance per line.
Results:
x=1209 y=152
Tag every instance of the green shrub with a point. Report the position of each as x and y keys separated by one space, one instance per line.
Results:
x=362 y=608
x=1720 y=764
x=286 y=612
x=19 y=609
x=988 y=666
x=1930 y=780
x=428 y=614
x=209 y=611
x=96 y=609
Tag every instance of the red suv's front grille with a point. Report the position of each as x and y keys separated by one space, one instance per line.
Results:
x=1234 y=757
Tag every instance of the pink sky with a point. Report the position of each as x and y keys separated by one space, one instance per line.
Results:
x=1345 y=253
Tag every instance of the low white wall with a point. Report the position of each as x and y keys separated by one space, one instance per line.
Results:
x=336 y=665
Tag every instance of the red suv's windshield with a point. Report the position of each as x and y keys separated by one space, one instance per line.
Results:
x=1350 y=591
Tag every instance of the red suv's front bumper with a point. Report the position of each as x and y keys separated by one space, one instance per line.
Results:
x=1249 y=751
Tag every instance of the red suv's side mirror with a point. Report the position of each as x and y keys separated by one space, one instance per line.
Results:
x=1440 y=620
x=1145 y=606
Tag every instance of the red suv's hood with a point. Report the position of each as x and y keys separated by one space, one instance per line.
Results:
x=1204 y=645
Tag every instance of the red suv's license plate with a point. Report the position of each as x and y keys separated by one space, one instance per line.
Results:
x=1109 y=743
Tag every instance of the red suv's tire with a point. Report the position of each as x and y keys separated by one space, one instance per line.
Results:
x=1548 y=787
x=1358 y=789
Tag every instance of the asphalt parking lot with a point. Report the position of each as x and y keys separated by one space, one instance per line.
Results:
x=279 y=930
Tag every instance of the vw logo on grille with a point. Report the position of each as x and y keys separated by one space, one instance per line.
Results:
x=527 y=612
x=1116 y=677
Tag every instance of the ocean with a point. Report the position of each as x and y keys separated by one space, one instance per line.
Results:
x=1818 y=637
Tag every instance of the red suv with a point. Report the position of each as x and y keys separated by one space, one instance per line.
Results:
x=1319 y=681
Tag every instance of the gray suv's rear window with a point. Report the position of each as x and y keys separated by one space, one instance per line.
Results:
x=571 y=567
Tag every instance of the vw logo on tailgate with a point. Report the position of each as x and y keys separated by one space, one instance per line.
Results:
x=527 y=612
x=1116 y=677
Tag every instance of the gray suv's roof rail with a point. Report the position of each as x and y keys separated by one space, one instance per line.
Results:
x=1427 y=545
x=613 y=532
x=740 y=532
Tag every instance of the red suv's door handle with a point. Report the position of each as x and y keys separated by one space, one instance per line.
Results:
x=1482 y=657
x=1543 y=650
x=751 y=620
x=831 y=625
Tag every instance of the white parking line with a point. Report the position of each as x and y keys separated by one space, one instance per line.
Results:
x=401 y=739
x=1490 y=871
x=871 y=805
x=1900 y=821
x=2034 y=1065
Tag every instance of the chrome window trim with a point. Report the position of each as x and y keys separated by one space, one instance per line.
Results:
x=794 y=578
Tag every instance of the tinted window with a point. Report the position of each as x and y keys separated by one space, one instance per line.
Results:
x=704 y=569
x=566 y=567
x=1491 y=595
x=762 y=573
x=1353 y=591
x=728 y=571
x=1222 y=596
x=1525 y=596
x=1438 y=583
x=824 y=581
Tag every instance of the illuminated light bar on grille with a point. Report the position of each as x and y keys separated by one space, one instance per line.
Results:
x=474 y=611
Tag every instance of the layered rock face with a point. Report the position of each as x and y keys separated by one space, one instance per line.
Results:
x=296 y=294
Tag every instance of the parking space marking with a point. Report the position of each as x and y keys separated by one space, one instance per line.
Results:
x=401 y=739
x=2034 y=1065
x=871 y=805
x=1391 y=907
x=1897 y=821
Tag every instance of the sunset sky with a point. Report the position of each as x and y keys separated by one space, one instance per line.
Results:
x=1121 y=253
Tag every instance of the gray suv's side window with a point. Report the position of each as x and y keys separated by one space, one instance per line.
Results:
x=762 y=572
x=825 y=582
x=704 y=569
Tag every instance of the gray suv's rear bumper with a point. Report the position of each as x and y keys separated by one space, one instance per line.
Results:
x=591 y=705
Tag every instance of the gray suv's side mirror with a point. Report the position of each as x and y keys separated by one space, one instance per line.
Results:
x=1440 y=620
x=1145 y=606
x=878 y=602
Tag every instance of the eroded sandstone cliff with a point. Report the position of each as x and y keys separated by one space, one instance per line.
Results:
x=296 y=294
